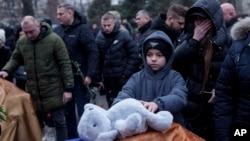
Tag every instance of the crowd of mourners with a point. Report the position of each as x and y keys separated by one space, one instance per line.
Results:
x=191 y=61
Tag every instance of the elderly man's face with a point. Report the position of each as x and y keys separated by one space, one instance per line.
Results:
x=31 y=30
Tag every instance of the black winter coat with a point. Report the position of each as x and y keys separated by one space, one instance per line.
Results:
x=118 y=54
x=80 y=43
x=232 y=101
x=189 y=54
x=143 y=35
x=5 y=53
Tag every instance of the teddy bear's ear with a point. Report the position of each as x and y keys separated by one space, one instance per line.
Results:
x=89 y=106
x=93 y=122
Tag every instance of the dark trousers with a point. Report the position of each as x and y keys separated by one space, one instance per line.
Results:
x=21 y=84
x=79 y=99
x=199 y=119
x=112 y=88
x=54 y=118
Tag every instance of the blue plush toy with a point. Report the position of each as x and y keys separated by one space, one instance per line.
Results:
x=126 y=118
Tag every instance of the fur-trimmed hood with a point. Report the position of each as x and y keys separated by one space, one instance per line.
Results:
x=241 y=29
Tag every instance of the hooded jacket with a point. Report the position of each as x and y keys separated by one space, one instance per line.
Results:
x=165 y=87
x=190 y=54
x=232 y=88
x=48 y=68
x=80 y=42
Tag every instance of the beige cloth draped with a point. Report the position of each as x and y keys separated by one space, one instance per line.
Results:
x=21 y=123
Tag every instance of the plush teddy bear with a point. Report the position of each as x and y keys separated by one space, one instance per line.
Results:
x=126 y=118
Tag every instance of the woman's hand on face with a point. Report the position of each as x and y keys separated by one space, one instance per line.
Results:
x=201 y=29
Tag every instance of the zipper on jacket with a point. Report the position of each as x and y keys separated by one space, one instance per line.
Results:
x=36 y=81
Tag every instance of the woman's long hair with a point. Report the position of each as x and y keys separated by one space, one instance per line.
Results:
x=209 y=50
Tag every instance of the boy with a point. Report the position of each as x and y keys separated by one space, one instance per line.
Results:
x=157 y=86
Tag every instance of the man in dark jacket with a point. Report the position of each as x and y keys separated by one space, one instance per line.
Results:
x=171 y=23
x=49 y=72
x=143 y=21
x=198 y=58
x=118 y=57
x=83 y=52
x=232 y=100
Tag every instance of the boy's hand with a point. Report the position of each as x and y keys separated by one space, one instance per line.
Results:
x=151 y=106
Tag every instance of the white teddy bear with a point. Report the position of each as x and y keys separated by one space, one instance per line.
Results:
x=126 y=118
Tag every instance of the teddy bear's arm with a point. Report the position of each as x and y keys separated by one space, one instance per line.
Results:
x=107 y=136
x=133 y=124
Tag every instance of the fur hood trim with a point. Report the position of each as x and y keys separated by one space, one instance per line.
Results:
x=241 y=29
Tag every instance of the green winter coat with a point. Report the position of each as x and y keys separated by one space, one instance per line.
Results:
x=48 y=67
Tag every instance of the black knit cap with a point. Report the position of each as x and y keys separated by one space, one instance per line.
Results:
x=159 y=44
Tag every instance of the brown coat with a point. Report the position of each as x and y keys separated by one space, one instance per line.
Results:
x=21 y=123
